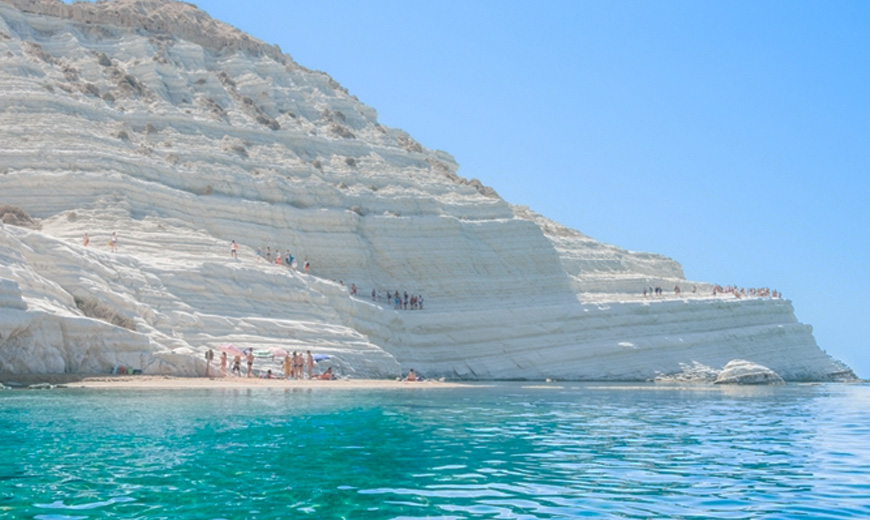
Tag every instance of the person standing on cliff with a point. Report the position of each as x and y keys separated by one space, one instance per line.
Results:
x=86 y=240
x=234 y=249
x=113 y=242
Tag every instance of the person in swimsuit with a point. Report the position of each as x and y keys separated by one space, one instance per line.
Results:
x=310 y=364
x=250 y=359
x=297 y=365
x=224 y=364
x=237 y=366
x=209 y=357
x=86 y=240
x=287 y=364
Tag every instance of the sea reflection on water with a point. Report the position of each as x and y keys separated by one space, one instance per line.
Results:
x=500 y=451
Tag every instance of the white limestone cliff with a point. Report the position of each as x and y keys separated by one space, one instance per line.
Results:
x=180 y=133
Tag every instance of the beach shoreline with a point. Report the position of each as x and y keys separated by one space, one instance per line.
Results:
x=161 y=382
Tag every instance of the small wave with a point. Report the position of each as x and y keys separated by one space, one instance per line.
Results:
x=58 y=504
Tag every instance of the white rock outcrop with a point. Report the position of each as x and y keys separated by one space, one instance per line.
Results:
x=180 y=133
x=742 y=372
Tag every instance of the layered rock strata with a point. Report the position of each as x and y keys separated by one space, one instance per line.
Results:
x=149 y=119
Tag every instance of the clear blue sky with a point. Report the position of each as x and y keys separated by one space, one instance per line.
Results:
x=733 y=137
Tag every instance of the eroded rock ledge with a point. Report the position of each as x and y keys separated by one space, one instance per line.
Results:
x=180 y=19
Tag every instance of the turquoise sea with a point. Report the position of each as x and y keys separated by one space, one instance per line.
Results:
x=502 y=451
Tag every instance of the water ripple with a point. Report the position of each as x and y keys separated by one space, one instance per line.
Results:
x=504 y=453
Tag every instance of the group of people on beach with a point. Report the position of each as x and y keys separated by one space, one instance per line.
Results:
x=293 y=366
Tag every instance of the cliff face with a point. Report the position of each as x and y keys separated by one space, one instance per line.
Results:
x=180 y=133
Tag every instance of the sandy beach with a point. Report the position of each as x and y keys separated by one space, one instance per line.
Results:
x=146 y=382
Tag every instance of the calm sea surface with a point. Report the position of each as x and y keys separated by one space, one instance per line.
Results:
x=505 y=451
